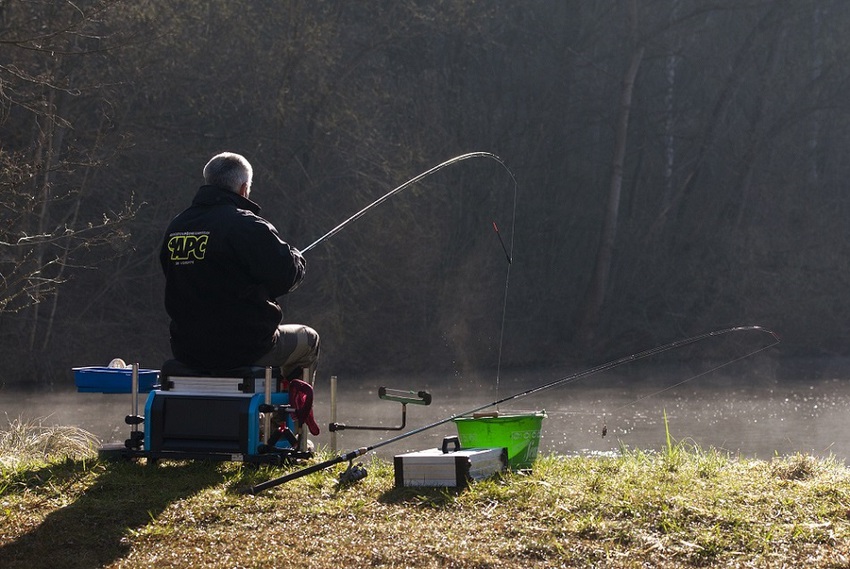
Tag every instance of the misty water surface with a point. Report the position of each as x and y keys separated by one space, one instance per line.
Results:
x=747 y=414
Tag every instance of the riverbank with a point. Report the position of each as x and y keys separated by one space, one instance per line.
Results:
x=682 y=507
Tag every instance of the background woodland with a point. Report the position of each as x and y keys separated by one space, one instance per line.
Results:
x=680 y=166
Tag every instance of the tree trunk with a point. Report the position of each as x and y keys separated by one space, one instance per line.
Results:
x=595 y=298
x=671 y=67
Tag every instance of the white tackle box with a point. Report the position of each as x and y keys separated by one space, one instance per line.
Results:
x=444 y=467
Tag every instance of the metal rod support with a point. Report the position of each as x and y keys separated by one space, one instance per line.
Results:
x=134 y=383
x=267 y=417
x=333 y=412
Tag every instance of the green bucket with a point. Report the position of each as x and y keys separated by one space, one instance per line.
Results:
x=519 y=433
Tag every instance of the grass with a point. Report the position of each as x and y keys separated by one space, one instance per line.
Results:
x=682 y=507
x=24 y=442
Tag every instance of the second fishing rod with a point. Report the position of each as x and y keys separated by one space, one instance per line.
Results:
x=771 y=340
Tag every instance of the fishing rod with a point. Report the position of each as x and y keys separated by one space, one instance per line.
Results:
x=351 y=455
x=507 y=249
x=409 y=183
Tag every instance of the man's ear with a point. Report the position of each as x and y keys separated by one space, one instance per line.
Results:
x=244 y=190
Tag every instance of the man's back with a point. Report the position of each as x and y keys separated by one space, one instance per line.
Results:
x=224 y=268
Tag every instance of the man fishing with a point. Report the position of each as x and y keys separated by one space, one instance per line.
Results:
x=224 y=267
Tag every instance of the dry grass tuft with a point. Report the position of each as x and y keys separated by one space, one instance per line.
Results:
x=29 y=441
x=797 y=467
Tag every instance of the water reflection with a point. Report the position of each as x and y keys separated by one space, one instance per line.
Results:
x=753 y=418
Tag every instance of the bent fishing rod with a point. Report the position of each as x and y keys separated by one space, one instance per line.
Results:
x=409 y=183
x=351 y=455
x=508 y=250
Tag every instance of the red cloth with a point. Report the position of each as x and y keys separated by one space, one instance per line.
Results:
x=301 y=398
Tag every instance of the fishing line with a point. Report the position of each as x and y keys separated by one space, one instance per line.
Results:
x=509 y=258
x=350 y=456
x=693 y=377
x=675 y=385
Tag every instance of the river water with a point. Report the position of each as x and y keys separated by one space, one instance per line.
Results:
x=748 y=415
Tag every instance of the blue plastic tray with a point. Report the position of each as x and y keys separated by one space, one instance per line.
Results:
x=112 y=380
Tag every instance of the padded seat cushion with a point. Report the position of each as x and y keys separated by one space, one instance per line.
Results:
x=178 y=368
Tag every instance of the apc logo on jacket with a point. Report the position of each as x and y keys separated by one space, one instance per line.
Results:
x=188 y=247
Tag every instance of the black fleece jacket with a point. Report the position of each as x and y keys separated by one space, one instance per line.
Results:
x=224 y=267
